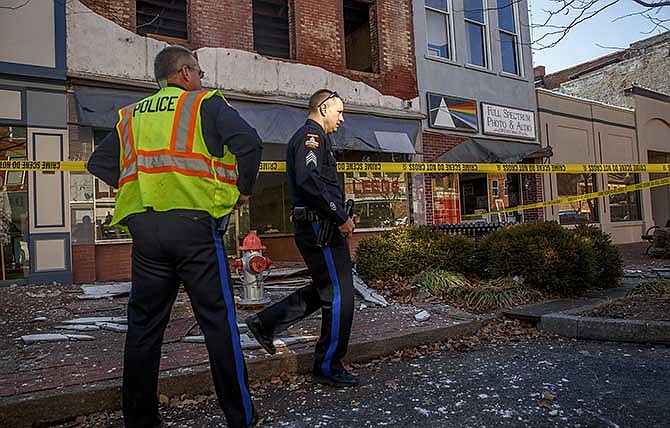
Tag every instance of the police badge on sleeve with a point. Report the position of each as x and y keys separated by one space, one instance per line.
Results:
x=312 y=141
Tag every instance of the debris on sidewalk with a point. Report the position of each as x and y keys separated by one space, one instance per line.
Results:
x=248 y=342
x=119 y=328
x=422 y=316
x=39 y=319
x=49 y=293
x=77 y=327
x=94 y=292
x=95 y=320
x=366 y=292
x=35 y=338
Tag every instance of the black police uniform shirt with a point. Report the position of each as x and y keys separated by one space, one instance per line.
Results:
x=312 y=173
x=222 y=127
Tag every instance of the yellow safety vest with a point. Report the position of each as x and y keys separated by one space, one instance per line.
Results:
x=164 y=161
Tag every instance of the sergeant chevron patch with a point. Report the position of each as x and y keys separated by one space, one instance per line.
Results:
x=310 y=158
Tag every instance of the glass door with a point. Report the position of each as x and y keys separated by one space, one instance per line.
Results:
x=14 y=257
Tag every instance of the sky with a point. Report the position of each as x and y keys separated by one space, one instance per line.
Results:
x=581 y=44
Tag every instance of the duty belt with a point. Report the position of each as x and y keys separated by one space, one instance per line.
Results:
x=304 y=214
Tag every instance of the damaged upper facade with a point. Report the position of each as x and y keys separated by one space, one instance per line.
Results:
x=363 y=49
x=645 y=63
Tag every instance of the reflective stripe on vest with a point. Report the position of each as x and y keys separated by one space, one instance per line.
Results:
x=179 y=158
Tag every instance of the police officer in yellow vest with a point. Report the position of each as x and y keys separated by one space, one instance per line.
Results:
x=182 y=159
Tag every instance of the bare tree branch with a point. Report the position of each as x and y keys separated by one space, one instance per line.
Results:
x=652 y=4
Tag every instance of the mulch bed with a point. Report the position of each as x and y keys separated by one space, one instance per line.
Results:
x=634 y=308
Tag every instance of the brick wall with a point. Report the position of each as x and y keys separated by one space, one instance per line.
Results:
x=532 y=193
x=120 y=11
x=434 y=145
x=216 y=23
x=83 y=263
x=645 y=63
x=319 y=35
x=320 y=42
x=112 y=262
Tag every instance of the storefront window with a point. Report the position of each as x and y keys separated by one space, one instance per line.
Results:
x=103 y=204
x=13 y=205
x=446 y=204
x=580 y=211
x=381 y=198
x=482 y=193
x=474 y=193
x=624 y=206
x=271 y=205
x=81 y=187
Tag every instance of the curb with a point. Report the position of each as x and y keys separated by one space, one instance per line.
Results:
x=606 y=329
x=53 y=406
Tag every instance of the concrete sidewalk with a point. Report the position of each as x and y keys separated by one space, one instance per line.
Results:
x=566 y=317
x=48 y=382
x=44 y=383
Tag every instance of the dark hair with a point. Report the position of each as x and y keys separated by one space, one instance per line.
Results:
x=319 y=97
x=170 y=60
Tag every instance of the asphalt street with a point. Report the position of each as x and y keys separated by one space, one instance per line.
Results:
x=533 y=382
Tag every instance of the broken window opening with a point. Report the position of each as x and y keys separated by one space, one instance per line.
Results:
x=164 y=17
x=272 y=28
x=360 y=35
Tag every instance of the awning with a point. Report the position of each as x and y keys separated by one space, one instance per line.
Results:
x=275 y=123
x=99 y=108
x=481 y=150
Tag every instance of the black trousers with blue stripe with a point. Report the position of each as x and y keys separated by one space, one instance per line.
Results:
x=331 y=291
x=169 y=248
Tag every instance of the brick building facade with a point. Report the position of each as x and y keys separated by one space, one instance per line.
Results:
x=267 y=60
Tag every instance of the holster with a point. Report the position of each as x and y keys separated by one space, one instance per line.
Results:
x=327 y=228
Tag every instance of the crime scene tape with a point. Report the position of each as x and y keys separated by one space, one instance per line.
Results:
x=435 y=167
x=392 y=167
x=42 y=165
x=633 y=187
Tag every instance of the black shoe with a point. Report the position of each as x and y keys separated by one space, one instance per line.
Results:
x=256 y=328
x=341 y=378
x=256 y=421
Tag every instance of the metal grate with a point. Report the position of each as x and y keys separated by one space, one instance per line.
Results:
x=165 y=17
x=271 y=28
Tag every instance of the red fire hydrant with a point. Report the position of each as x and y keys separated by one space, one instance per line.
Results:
x=253 y=267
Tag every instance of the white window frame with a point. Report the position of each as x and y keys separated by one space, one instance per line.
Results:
x=485 y=37
x=448 y=15
x=517 y=41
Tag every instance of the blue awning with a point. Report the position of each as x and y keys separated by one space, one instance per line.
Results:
x=275 y=123
x=99 y=108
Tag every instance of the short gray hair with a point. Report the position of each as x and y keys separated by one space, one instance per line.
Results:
x=170 y=60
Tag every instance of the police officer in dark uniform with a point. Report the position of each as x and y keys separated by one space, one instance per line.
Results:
x=316 y=196
x=182 y=159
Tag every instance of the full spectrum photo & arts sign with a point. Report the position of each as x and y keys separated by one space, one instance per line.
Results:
x=509 y=122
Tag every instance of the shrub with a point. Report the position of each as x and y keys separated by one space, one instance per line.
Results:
x=609 y=264
x=492 y=294
x=498 y=293
x=407 y=251
x=441 y=283
x=546 y=255
x=655 y=288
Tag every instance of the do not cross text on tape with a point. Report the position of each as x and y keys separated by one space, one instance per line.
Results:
x=394 y=167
